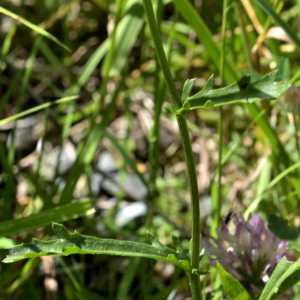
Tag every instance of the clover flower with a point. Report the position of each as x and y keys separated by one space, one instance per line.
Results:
x=250 y=254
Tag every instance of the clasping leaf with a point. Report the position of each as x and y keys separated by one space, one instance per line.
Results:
x=242 y=91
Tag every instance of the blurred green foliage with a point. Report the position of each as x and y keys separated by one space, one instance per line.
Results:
x=50 y=160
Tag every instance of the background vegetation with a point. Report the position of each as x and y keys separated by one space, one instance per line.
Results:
x=94 y=164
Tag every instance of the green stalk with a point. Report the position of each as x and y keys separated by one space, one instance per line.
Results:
x=185 y=137
x=153 y=156
x=217 y=199
x=217 y=211
x=161 y=54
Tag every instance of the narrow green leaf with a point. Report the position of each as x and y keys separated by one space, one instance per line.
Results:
x=270 y=11
x=57 y=214
x=233 y=288
x=90 y=66
x=182 y=39
x=75 y=243
x=256 y=201
x=282 y=271
x=127 y=31
x=127 y=278
x=126 y=158
x=35 y=109
x=204 y=35
x=23 y=276
x=34 y=27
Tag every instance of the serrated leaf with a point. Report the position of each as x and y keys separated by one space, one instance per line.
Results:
x=282 y=271
x=179 y=247
x=233 y=288
x=75 y=243
x=266 y=88
x=154 y=241
x=242 y=91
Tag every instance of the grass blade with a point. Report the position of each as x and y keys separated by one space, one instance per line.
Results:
x=269 y=10
x=256 y=201
x=57 y=214
x=34 y=27
x=35 y=109
x=205 y=36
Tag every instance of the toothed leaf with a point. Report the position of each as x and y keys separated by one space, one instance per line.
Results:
x=242 y=91
x=187 y=88
x=266 y=88
x=179 y=247
x=75 y=243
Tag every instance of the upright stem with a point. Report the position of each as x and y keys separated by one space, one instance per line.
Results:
x=161 y=54
x=220 y=126
x=185 y=137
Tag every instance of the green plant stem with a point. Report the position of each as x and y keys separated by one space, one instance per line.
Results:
x=195 y=286
x=153 y=153
x=185 y=137
x=217 y=216
x=161 y=54
x=217 y=212
x=153 y=156
x=195 y=208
